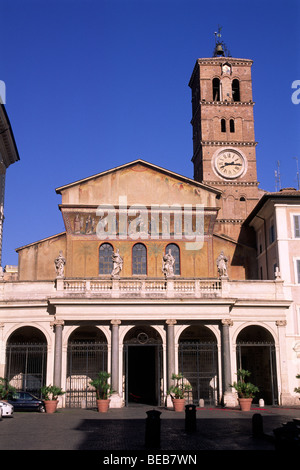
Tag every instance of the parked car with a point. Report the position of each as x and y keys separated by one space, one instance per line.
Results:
x=25 y=401
x=6 y=409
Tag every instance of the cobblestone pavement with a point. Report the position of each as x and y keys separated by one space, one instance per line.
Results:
x=124 y=430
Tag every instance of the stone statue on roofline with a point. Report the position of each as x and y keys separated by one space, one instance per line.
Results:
x=117 y=264
x=222 y=261
x=168 y=263
x=60 y=265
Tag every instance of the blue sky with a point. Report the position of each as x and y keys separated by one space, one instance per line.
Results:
x=93 y=84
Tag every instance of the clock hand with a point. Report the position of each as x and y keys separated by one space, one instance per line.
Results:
x=231 y=163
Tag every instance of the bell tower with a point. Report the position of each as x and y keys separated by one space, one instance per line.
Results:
x=223 y=134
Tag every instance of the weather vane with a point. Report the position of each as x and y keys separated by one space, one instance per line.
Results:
x=218 y=34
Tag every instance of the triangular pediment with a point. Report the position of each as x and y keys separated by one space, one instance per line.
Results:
x=134 y=184
x=141 y=183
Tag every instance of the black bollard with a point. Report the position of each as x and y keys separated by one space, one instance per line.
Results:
x=190 y=418
x=257 y=425
x=152 y=436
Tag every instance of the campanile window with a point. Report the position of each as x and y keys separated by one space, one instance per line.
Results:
x=236 y=90
x=216 y=89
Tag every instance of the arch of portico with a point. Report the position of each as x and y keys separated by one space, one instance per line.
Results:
x=84 y=355
x=26 y=357
x=256 y=350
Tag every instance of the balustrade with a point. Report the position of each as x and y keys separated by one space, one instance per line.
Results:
x=141 y=287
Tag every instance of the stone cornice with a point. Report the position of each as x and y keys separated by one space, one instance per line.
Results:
x=234 y=183
x=228 y=143
x=224 y=60
x=227 y=103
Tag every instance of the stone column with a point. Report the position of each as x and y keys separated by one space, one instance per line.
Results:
x=116 y=401
x=115 y=354
x=228 y=396
x=58 y=326
x=170 y=351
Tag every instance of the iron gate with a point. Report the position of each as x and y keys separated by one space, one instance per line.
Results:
x=84 y=362
x=26 y=366
x=198 y=363
x=260 y=359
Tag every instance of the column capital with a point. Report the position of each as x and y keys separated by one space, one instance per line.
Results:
x=281 y=323
x=171 y=322
x=55 y=323
x=227 y=322
x=115 y=322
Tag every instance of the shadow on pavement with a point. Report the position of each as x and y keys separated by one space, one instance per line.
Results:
x=210 y=434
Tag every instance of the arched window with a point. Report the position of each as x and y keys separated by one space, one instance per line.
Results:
x=231 y=125
x=139 y=259
x=216 y=89
x=105 y=258
x=236 y=90
x=223 y=125
x=176 y=253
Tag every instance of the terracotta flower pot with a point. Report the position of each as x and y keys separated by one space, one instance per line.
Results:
x=51 y=406
x=245 y=403
x=103 y=405
x=179 y=404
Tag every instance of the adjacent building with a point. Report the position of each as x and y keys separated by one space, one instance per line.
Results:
x=8 y=155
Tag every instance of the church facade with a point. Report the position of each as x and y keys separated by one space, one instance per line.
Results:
x=157 y=274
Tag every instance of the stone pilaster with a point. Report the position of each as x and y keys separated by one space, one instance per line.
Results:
x=285 y=397
x=2 y=351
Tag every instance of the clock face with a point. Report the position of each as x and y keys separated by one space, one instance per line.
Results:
x=229 y=164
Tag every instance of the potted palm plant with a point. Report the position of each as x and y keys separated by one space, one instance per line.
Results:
x=6 y=390
x=245 y=390
x=50 y=394
x=103 y=390
x=178 y=391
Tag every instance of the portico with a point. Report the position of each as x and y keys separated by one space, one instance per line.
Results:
x=171 y=325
